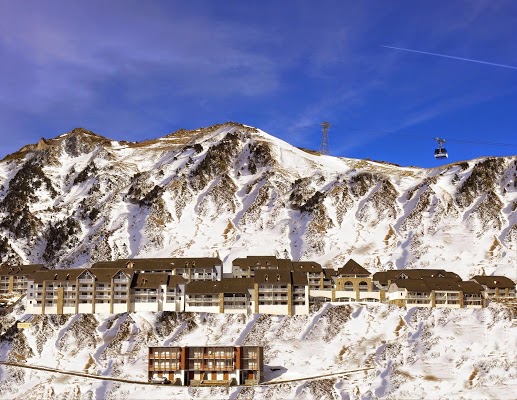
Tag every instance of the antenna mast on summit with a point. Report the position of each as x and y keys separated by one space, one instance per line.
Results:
x=324 y=147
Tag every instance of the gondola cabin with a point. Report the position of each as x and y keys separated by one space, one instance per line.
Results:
x=441 y=153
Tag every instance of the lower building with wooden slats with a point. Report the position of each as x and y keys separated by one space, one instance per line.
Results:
x=206 y=365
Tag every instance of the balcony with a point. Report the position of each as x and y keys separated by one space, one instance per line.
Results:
x=171 y=356
x=235 y=306
x=120 y=296
x=238 y=299
x=273 y=298
x=173 y=367
x=203 y=300
x=272 y=290
x=418 y=296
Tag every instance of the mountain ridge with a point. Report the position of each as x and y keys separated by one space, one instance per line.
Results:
x=80 y=198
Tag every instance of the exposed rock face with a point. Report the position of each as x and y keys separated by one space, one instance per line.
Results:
x=81 y=197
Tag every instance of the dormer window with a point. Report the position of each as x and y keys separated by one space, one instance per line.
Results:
x=266 y=277
x=278 y=277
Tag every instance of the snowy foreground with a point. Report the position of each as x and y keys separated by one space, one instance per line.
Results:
x=417 y=353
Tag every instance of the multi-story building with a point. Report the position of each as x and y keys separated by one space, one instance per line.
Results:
x=439 y=292
x=496 y=286
x=283 y=288
x=13 y=279
x=191 y=269
x=246 y=267
x=207 y=365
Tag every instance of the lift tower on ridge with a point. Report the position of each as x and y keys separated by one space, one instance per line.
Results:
x=324 y=147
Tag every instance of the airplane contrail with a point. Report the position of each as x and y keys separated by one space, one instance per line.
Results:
x=446 y=56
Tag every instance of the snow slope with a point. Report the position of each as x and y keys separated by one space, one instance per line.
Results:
x=417 y=353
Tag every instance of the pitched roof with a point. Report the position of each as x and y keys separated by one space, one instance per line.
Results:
x=391 y=275
x=175 y=280
x=105 y=275
x=306 y=266
x=494 y=281
x=299 y=278
x=56 y=275
x=470 y=287
x=412 y=285
x=228 y=285
x=272 y=276
x=352 y=268
x=149 y=280
x=16 y=270
x=442 y=284
x=160 y=264
x=329 y=272
x=259 y=261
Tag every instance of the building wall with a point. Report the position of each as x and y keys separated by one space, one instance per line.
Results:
x=346 y=296
x=120 y=308
x=102 y=308
x=208 y=309
x=274 y=309
x=143 y=306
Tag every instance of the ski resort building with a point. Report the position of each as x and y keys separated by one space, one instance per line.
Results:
x=207 y=365
x=260 y=285
x=13 y=279
x=496 y=286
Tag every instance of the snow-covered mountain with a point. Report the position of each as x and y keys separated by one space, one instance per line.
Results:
x=231 y=190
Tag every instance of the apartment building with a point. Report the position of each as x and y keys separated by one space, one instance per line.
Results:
x=262 y=285
x=496 y=286
x=207 y=365
x=246 y=267
x=13 y=279
x=435 y=292
x=191 y=269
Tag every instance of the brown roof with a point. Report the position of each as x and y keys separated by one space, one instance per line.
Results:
x=442 y=284
x=273 y=276
x=175 y=280
x=381 y=277
x=470 y=287
x=56 y=275
x=329 y=272
x=149 y=280
x=105 y=275
x=299 y=278
x=228 y=285
x=352 y=268
x=101 y=275
x=306 y=266
x=160 y=264
x=260 y=262
x=494 y=281
x=412 y=285
x=15 y=270
x=393 y=274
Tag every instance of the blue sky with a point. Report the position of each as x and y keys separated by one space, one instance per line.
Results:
x=137 y=70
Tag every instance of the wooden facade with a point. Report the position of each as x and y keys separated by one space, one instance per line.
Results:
x=207 y=365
